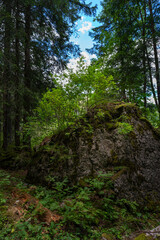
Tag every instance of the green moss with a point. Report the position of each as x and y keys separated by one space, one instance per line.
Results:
x=145 y=120
x=107 y=115
x=110 y=125
x=133 y=140
x=148 y=126
x=130 y=109
x=121 y=172
x=123 y=118
x=114 y=158
x=124 y=128
x=140 y=129
x=127 y=106
x=143 y=237
x=100 y=118
x=107 y=236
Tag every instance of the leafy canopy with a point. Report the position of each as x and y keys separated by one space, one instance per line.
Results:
x=73 y=94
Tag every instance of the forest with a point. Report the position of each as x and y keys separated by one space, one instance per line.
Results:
x=79 y=147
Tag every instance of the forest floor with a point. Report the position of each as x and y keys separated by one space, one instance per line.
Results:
x=82 y=212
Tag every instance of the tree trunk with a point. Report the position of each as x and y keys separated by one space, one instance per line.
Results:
x=151 y=79
x=1 y=110
x=155 y=51
x=27 y=69
x=144 y=57
x=143 y=19
x=7 y=130
x=145 y=82
x=17 y=79
x=123 y=86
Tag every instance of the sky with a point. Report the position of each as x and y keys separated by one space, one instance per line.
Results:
x=82 y=38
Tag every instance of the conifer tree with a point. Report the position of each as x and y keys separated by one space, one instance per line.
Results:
x=7 y=131
x=35 y=41
x=128 y=39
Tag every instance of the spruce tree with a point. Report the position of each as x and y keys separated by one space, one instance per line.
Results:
x=127 y=39
x=35 y=42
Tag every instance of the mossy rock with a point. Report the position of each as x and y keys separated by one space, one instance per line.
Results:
x=110 y=125
x=129 y=108
x=148 y=126
x=121 y=172
x=107 y=115
x=143 y=237
x=106 y=236
x=93 y=144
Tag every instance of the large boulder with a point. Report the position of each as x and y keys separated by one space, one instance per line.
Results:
x=110 y=137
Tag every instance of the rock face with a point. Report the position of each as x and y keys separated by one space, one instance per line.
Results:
x=150 y=235
x=109 y=137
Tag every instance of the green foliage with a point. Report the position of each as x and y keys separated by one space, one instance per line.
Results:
x=4 y=182
x=52 y=24
x=124 y=128
x=61 y=106
x=123 y=44
x=89 y=210
x=152 y=115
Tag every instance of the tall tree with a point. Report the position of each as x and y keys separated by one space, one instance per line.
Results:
x=7 y=131
x=17 y=77
x=27 y=67
x=154 y=40
x=35 y=41
x=125 y=34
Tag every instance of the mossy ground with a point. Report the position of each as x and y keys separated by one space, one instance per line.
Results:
x=89 y=210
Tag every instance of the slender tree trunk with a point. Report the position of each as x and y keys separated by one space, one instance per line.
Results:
x=7 y=130
x=123 y=88
x=142 y=12
x=151 y=78
x=27 y=69
x=17 y=79
x=144 y=63
x=1 y=107
x=155 y=51
x=145 y=77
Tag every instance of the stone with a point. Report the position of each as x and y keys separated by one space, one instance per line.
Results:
x=143 y=237
x=154 y=233
x=77 y=153
x=106 y=236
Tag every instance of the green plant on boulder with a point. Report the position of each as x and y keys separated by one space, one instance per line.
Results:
x=124 y=128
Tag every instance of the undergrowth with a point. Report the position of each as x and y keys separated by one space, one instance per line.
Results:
x=88 y=210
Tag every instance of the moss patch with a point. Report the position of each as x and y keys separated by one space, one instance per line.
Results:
x=107 y=236
x=143 y=237
x=147 y=125
x=121 y=172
